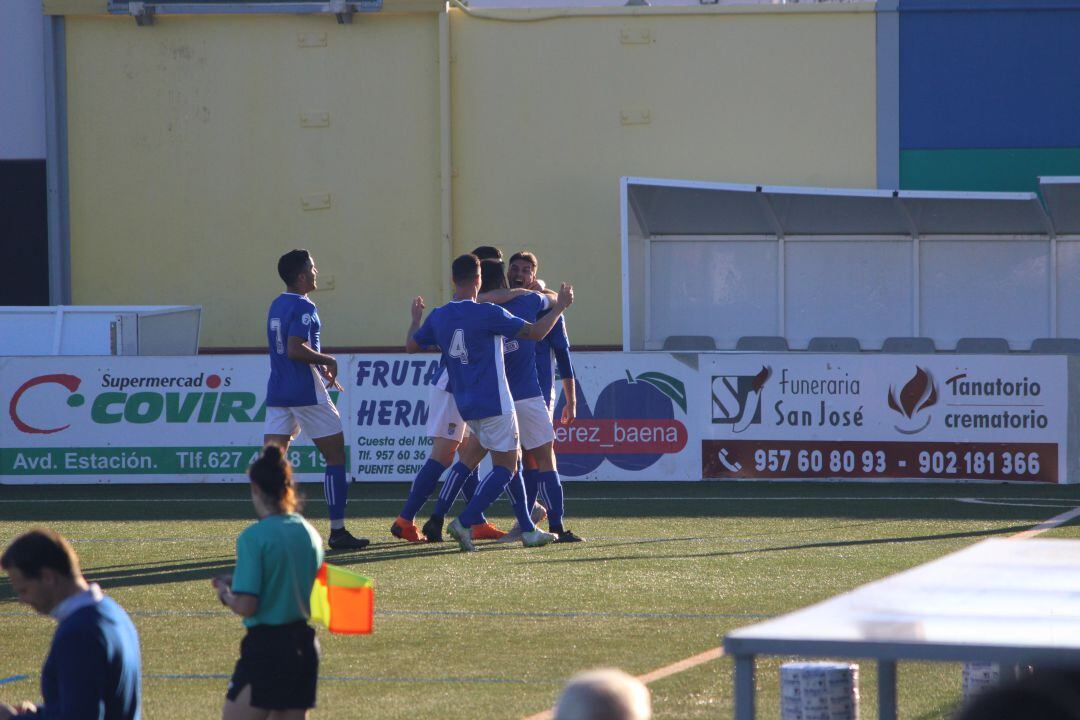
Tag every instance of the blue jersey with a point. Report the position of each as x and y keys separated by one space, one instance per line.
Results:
x=521 y=353
x=292 y=383
x=470 y=335
x=93 y=669
x=556 y=345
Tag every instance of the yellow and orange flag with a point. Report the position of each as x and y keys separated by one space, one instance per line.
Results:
x=343 y=601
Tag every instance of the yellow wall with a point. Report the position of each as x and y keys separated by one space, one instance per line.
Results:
x=188 y=162
x=540 y=144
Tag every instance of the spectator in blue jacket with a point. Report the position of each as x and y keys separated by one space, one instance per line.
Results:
x=92 y=671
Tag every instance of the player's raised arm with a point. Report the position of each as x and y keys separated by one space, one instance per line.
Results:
x=539 y=329
x=416 y=311
x=541 y=287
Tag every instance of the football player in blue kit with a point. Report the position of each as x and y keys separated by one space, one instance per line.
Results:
x=297 y=396
x=541 y=474
x=447 y=431
x=471 y=336
x=534 y=419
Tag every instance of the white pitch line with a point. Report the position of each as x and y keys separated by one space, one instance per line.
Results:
x=793 y=498
x=1047 y=525
x=977 y=501
x=659 y=674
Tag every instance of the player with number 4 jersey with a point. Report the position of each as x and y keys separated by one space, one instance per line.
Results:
x=446 y=429
x=471 y=337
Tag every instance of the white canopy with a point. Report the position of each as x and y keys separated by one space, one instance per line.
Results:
x=732 y=260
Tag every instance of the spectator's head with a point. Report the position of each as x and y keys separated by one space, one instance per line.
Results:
x=271 y=477
x=605 y=694
x=1046 y=694
x=522 y=269
x=492 y=275
x=292 y=265
x=465 y=271
x=487 y=252
x=43 y=569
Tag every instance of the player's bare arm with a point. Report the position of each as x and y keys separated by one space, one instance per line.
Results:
x=540 y=329
x=299 y=350
x=570 y=393
x=500 y=296
x=416 y=311
x=541 y=287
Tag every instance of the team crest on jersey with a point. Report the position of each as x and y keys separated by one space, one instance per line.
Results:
x=306 y=319
x=450 y=428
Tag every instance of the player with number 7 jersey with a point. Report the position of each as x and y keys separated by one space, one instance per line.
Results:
x=470 y=335
x=297 y=394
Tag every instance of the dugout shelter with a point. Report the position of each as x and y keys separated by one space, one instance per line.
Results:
x=756 y=267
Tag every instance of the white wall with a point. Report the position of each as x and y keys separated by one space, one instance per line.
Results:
x=867 y=288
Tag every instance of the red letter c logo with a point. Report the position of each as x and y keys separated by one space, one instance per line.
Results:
x=69 y=381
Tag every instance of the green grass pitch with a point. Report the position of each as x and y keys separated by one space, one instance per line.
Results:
x=667 y=570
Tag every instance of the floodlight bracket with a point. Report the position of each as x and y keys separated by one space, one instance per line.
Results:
x=143 y=13
x=343 y=11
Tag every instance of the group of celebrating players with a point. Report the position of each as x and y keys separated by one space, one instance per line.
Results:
x=500 y=338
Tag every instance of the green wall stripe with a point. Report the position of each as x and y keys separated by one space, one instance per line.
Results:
x=1007 y=170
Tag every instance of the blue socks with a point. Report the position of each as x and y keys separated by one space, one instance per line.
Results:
x=336 y=490
x=451 y=487
x=516 y=491
x=469 y=488
x=552 y=491
x=422 y=486
x=532 y=486
x=486 y=493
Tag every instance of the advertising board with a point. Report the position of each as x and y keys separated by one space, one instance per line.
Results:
x=964 y=417
x=633 y=417
x=136 y=419
x=640 y=416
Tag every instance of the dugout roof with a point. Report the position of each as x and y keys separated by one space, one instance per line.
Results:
x=673 y=207
x=1062 y=198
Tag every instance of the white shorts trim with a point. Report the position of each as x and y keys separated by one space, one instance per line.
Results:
x=534 y=422
x=498 y=433
x=322 y=393
x=444 y=420
x=318 y=421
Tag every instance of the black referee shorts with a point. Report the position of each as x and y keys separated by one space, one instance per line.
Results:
x=281 y=664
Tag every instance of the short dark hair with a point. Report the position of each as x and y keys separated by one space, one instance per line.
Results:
x=488 y=252
x=465 y=268
x=291 y=264
x=1048 y=693
x=40 y=548
x=272 y=474
x=528 y=257
x=492 y=275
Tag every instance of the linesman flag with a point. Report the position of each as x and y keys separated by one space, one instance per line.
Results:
x=343 y=601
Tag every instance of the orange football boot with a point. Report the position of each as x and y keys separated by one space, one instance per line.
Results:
x=486 y=531
x=404 y=529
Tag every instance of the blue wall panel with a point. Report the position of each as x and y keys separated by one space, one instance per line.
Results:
x=989 y=74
